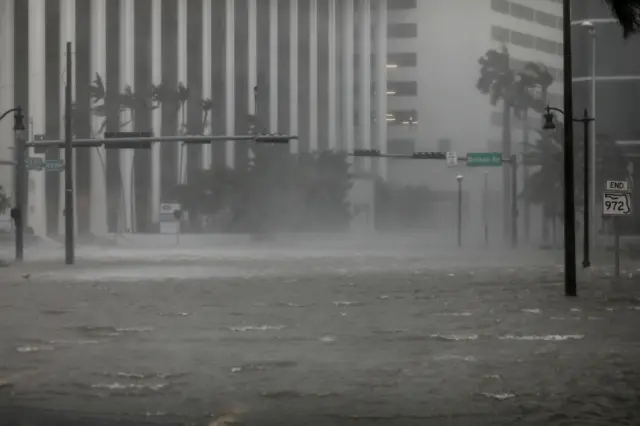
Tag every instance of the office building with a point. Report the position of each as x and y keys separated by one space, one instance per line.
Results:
x=288 y=62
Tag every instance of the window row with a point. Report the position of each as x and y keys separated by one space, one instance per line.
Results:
x=394 y=60
x=527 y=13
x=505 y=35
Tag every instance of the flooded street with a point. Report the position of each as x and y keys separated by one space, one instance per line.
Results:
x=284 y=337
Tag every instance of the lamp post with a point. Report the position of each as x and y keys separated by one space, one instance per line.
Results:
x=586 y=121
x=20 y=177
x=485 y=207
x=570 y=287
x=459 y=179
x=592 y=149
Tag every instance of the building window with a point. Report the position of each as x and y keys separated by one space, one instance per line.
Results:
x=402 y=88
x=546 y=46
x=401 y=146
x=522 y=12
x=402 y=117
x=521 y=39
x=501 y=6
x=402 y=30
x=402 y=4
x=402 y=59
x=500 y=34
x=547 y=19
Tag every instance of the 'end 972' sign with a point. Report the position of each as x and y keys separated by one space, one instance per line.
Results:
x=616 y=204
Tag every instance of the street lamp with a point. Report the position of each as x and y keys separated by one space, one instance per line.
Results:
x=590 y=27
x=20 y=177
x=459 y=179
x=586 y=121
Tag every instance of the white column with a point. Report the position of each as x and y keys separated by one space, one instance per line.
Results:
x=273 y=66
x=294 y=46
x=127 y=73
x=98 y=194
x=364 y=78
x=156 y=114
x=206 y=76
x=230 y=80
x=332 y=115
x=313 y=75
x=252 y=59
x=7 y=100
x=182 y=78
x=36 y=211
x=348 y=100
x=381 y=83
x=67 y=34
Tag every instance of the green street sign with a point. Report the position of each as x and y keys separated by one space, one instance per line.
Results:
x=54 y=165
x=34 y=163
x=478 y=159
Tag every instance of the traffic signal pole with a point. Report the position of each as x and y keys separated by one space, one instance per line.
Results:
x=69 y=244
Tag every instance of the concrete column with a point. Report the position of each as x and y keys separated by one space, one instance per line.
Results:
x=364 y=77
x=7 y=98
x=36 y=211
x=127 y=74
x=230 y=80
x=207 y=91
x=183 y=62
x=98 y=194
x=381 y=84
x=332 y=116
x=67 y=34
x=252 y=60
x=156 y=114
x=273 y=66
x=348 y=101
x=294 y=48
x=313 y=75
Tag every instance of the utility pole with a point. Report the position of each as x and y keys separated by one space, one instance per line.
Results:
x=514 y=202
x=20 y=187
x=570 y=284
x=68 y=172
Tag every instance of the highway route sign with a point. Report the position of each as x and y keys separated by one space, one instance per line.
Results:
x=616 y=204
x=452 y=159
x=617 y=185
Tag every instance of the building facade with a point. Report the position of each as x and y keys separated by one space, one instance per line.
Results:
x=617 y=84
x=433 y=102
x=178 y=67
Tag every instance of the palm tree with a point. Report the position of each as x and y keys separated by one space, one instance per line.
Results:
x=207 y=109
x=182 y=96
x=627 y=12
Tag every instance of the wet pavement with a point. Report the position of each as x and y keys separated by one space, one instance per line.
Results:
x=317 y=337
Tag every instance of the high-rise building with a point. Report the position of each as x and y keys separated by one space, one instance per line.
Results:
x=213 y=64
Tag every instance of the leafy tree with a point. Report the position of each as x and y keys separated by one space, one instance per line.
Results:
x=627 y=12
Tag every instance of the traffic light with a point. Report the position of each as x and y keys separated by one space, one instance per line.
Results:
x=429 y=155
x=366 y=153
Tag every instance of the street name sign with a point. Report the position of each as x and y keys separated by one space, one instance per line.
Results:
x=452 y=159
x=478 y=159
x=34 y=163
x=54 y=165
x=616 y=204
x=617 y=185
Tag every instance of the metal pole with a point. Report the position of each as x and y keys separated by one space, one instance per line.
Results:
x=570 y=285
x=459 y=211
x=21 y=175
x=514 y=202
x=68 y=172
x=525 y=179
x=592 y=228
x=616 y=227
x=587 y=198
x=485 y=207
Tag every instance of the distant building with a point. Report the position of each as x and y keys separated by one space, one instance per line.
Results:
x=299 y=54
